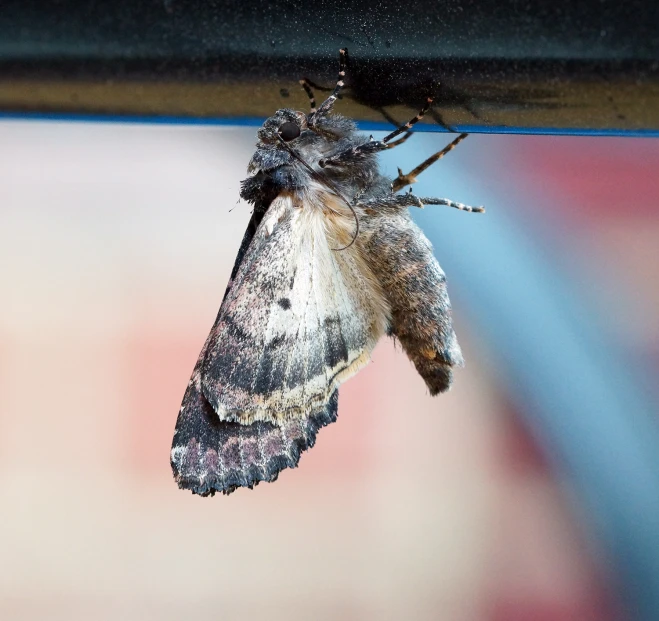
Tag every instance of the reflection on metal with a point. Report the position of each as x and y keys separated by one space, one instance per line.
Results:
x=549 y=67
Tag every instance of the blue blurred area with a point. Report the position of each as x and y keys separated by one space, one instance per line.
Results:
x=584 y=397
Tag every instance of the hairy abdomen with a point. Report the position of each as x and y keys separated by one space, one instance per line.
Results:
x=401 y=257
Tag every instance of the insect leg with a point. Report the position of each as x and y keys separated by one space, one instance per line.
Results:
x=410 y=123
x=306 y=85
x=447 y=203
x=327 y=105
x=395 y=123
x=402 y=180
x=395 y=143
x=373 y=146
x=412 y=200
x=353 y=154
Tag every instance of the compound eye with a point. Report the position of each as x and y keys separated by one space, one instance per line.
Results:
x=289 y=131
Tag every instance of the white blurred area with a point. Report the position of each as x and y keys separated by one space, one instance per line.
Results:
x=116 y=243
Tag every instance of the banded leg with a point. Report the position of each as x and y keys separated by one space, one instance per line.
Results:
x=412 y=200
x=401 y=140
x=395 y=123
x=435 y=115
x=327 y=105
x=373 y=146
x=306 y=85
x=309 y=88
x=410 y=123
x=402 y=180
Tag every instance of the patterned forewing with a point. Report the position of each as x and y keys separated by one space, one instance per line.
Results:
x=209 y=455
x=296 y=322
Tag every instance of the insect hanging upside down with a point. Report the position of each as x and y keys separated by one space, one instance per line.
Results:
x=330 y=262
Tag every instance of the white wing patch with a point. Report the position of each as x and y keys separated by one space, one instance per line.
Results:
x=299 y=319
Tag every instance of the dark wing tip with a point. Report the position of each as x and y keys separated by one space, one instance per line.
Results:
x=209 y=455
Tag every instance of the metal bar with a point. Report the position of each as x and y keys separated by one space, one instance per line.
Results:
x=500 y=65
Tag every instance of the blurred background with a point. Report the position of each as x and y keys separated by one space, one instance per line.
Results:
x=507 y=499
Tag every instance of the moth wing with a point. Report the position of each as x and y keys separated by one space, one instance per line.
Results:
x=298 y=319
x=210 y=455
x=213 y=455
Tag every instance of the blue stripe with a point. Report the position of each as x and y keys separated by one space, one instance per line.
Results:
x=367 y=126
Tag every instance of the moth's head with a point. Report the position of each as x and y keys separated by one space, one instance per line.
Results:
x=289 y=130
x=285 y=125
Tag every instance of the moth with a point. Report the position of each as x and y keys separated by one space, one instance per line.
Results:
x=331 y=261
